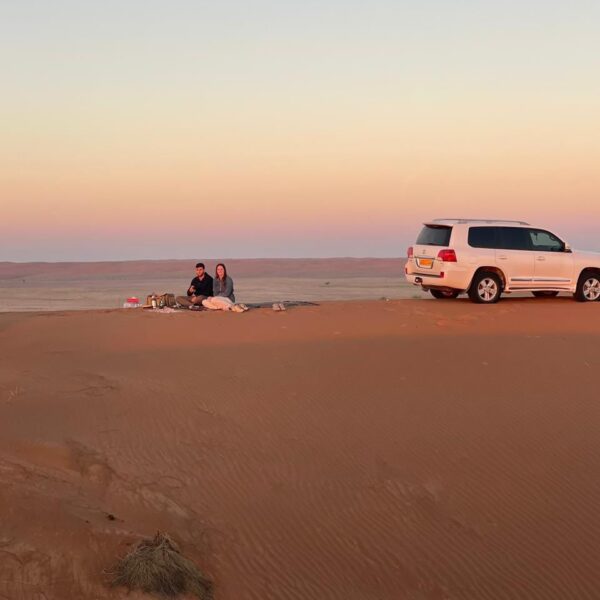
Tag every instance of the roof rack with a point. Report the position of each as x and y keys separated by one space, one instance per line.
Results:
x=457 y=221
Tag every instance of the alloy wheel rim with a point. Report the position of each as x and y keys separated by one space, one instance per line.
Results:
x=591 y=289
x=487 y=289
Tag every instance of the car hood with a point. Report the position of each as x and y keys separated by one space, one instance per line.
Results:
x=587 y=254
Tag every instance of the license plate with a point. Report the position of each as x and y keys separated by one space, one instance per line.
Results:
x=426 y=263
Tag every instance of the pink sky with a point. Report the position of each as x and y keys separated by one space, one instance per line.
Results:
x=291 y=133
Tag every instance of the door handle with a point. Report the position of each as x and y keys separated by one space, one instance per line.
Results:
x=540 y=258
x=502 y=257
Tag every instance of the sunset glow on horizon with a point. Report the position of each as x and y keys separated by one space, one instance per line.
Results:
x=193 y=129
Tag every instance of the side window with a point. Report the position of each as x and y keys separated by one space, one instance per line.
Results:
x=544 y=241
x=514 y=238
x=482 y=237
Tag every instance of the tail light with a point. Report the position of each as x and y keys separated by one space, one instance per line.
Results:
x=447 y=255
x=410 y=252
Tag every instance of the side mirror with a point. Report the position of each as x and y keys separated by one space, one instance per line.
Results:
x=567 y=247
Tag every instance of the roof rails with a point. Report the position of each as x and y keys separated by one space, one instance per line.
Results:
x=457 y=221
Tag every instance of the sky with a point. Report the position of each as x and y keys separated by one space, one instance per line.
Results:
x=255 y=128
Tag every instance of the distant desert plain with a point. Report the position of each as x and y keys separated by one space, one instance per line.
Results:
x=81 y=285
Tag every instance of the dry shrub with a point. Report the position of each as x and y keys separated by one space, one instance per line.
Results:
x=157 y=566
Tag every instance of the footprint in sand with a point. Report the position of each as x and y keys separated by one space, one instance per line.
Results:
x=42 y=459
x=90 y=464
x=94 y=384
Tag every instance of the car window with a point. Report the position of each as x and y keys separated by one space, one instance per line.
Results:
x=482 y=237
x=513 y=238
x=544 y=241
x=433 y=235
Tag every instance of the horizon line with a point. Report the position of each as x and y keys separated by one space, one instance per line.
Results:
x=139 y=260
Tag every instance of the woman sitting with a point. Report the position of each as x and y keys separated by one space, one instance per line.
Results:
x=223 y=297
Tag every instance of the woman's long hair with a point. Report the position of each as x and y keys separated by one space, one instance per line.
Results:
x=224 y=271
x=219 y=279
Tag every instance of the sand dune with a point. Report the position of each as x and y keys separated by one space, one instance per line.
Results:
x=361 y=450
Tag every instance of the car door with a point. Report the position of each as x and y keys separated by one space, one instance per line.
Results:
x=514 y=256
x=554 y=266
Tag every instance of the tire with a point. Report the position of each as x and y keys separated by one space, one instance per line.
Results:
x=545 y=294
x=588 y=287
x=486 y=288
x=443 y=295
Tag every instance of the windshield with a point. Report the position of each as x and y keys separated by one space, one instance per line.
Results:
x=434 y=235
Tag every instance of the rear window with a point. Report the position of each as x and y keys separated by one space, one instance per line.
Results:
x=433 y=235
x=482 y=237
x=514 y=238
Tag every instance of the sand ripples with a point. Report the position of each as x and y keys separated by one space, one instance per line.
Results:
x=350 y=469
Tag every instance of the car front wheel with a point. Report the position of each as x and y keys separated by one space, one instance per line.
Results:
x=588 y=287
x=485 y=288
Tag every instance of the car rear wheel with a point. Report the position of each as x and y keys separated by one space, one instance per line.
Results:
x=485 y=288
x=545 y=294
x=588 y=287
x=444 y=294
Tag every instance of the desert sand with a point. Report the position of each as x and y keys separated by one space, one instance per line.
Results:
x=398 y=450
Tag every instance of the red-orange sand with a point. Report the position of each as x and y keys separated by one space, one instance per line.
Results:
x=398 y=450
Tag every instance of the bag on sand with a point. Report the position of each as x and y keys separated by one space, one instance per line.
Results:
x=162 y=300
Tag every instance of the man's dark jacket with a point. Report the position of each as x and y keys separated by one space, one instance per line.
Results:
x=203 y=287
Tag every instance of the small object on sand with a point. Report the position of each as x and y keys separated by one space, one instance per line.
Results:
x=279 y=306
x=132 y=302
x=156 y=566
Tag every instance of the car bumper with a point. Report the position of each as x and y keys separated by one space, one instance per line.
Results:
x=447 y=279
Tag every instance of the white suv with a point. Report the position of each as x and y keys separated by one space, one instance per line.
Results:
x=486 y=258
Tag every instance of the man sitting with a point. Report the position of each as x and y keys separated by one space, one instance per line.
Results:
x=200 y=288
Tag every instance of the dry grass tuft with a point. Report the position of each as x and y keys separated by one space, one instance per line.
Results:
x=157 y=566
